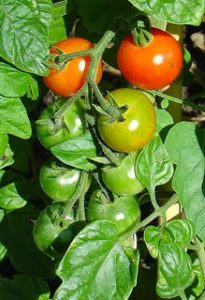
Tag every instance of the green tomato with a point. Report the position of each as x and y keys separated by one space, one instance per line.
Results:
x=138 y=126
x=123 y=180
x=50 y=236
x=51 y=131
x=59 y=181
x=124 y=211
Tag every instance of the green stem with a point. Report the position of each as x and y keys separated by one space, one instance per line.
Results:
x=177 y=100
x=182 y=295
x=201 y=254
x=153 y=198
x=63 y=108
x=79 y=192
x=157 y=213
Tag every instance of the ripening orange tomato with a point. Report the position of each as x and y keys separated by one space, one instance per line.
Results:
x=154 y=66
x=71 y=78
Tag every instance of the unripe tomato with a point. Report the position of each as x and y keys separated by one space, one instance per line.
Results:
x=71 y=78
x=73 y=123
x=124 y=211
x=59 y=181
x=139 y=122
x=154 y=66
x=50 y=236
x=122 y=180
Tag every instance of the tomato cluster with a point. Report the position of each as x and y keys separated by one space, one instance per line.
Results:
x=153 y=66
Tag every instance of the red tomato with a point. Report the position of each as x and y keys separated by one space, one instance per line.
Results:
x=72 y=77
x=154 y=66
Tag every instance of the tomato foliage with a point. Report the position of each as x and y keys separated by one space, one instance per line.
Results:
x=98 y=182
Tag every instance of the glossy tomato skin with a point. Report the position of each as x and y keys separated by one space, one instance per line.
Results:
x=58 y=181
x=154 y=66
x=139 y=122
x=122 y=179
x=124 y=211
x=73 y=123
x=71 y=78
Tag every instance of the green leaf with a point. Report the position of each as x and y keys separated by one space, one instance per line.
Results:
x=196 y=289
x=152 y=239
x=76 y=151
x=173 y=11
x=13 y=118
x=57 y=29
x=182 y=231
x=184 y=144
x=153 y=166
x=3 y=252
x=24 y=287
x=3 y=143
x=16 y=231
x=164 y=119
x=6 y=159
x=10 y=198
x=13 y=83
x=174 y=270
x=96 y=266
x=100 y=16
x=23 y=36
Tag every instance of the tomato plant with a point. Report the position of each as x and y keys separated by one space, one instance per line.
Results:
x=72 y=75
x=59 y=181
x=50 y=132
x=102 y=179
x=138 y=125
x=124 y=211
x=122 y=179
x=153 y=66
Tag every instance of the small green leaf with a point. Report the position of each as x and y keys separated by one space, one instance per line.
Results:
x=13 y=83
x=174 y=270
x=13 y=118
x=76 y=151
x=10 y=198
x=164 y=119
x=24 y=287
x=153 y=166
x=7 y=158
x=23 y=36
x=173 y=11
x=182 y=231
x=96 y=266
x=152 y=239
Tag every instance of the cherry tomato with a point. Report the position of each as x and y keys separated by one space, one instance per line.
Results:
x=124 y=211
x=71 y=78
x=50 y=133
x=123 y=180
x=154 y=66
x=50 y=236
x=59 y=181
x=139 y=122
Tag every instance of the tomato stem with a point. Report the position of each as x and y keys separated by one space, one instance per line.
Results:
x=182 y=295
x=79 y=192
x=157 y=213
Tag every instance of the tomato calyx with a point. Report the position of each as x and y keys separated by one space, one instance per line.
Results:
x=141 y=37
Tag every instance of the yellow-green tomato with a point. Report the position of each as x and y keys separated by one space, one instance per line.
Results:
x=124 y=211
x=138 y=126
x=123 y=180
